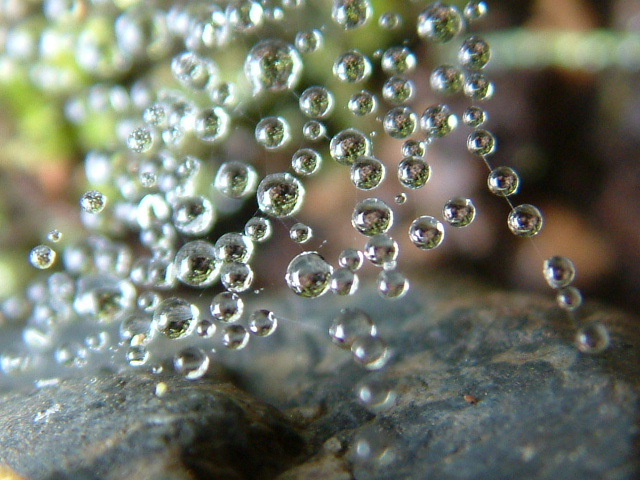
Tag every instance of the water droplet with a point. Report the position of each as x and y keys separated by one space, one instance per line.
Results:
x=367 y=173
x=137 y=329
x=193 y=216
x=372 y=216
x=446 y=79
x=196 y=264
x=300 y=233
x=71 y=354
x=97 y=342
x=236 y=179
x=475 y=10
x=414 y=148
x=42 y=256
x=316 y=102
x=137 y=355
x=314 y=130
x=362 y=103
x=193 y=71
x=54 y=236
x=478 y=87
x=376 y=394
x=308 y=42
x=481 y=142
x=525 y=220
x=344 y=281
x=474 y=116
x=176 y=318
x=192 y=362
x=370 y=351
x=273 y=132
x=398 y=60
x=413 y=172
x=227 y=307
x=93 y=201
x=273 y=65
x=392 y=284
x=381 y=250
x=234 y=247
x=236 y=277
x=280 y=195
x=351 y=259
x=258 y=229
x=350 y=14
x=104 y=297
x=349 y=324
x=262 y=323
x=372 y=446
x=308 y=275
x=398 y=90
x=155 y=116
x=426 y=232
x=459 y=212
x=235 y=337
x=558 y=271
x=503 y=181
x=205 y=328
x=569 y=298
x=352 y=67
x=212 y=124
x=140 y=140
x=592 y=338
x=306 y=161
x=400 y=199
x=438 y=121
x=348 y=145
x=474 y=54
x=224 y=94
x=400 y=122
x=390 y=21
x=245 y=15
x=439 y=23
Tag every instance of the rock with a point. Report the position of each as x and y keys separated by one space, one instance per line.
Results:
x=115 y=427
x=489 y=385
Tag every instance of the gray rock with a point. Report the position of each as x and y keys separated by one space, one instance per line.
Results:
x=489 y=385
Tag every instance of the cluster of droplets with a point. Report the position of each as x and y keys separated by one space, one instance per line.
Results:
x=190 y=158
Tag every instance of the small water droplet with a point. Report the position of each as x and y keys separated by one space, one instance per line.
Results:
x=308 y=275
x=525 y=220
x=370 y=351
x=300 y=233
x=140 y=140
x=306 y=161
x=42 y=256
x=352 y=67
x=592 y=338
x=196 y=264
x=193 y=216
x=273 y=132
x=93 y=201
x=372 y=216
x=205 y=328
x=381 y=250
x=262 y=323
x=316 y=102
x=344 y=281
x=367 y=173
x=459 y=212
x=439 y=23
x=280 y=195
x=348 y=145
x=227 y=307
x=426 y=232
x=474 y=54
x=236 y=179
x=446 y=79
x=398 y=60
x=273 y=65
x=349 y=324
x=351 y=259
x=478 y=87
x=398 y=90
x=235 y=337
x=258 y=229
x=54 y=236
x=569 y=298
x=481 y=142
x=558 y=271
x=400 y=122
x=438 y=121
x=350 y=14
x=362 y=103
x=176 y=318
x=474 y=116
x=236 y=277
x=191 y=362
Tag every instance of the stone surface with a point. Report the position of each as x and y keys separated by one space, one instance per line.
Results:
x=489 y=385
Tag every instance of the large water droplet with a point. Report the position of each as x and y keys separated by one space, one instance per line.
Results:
x=348 y=145
x=42 y=256
x=350 y=14
x=349 y=324
x=191 y=362
x=525 y=220
x=558 y=271
x=372 y=216
x=308 y=275
x=426 y=232
x=352 y=67
x=280 y=195
x=459 y=212
x=273 y=132
x=273 y=65
x=196 y=264
x=175 y=318
x=439 y=23
x=367 y=173
x=227 y=307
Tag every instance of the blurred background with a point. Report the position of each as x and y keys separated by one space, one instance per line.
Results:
x=566 y=115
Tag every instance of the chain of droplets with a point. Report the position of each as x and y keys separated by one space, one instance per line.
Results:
x=159 y=186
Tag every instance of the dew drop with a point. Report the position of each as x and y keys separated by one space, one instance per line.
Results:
x=474 y=54
x=280 y=195
x=310 y=41
x=438 y=121
x=558 y=271
x=372 y=216
x=314 y=130
x=137 y=329
x=140 y=140
x=93 y=201
x=372 y=446
x=193 y=216
x=300 y=233
x=193 y=71
x=390 y=21
x=42 y=256
x=400 y=199
x=273 y=65
x=349 y=324
x=348 y=145
x=236 y=179
x=236 y=277
x=235 y=337
x=196 y=264
x=137 y=355
x=569 y=298
x=475 y=10
x=351 y=258
x=376 y=394
x=398 y=60
x=362 y=103
x=439 y=23
x=426 y=232
x=191 y=362
x=245 y=15
x=481 y=142
x=54 y=236
x=392 y=284
x=227 y=307
x=205 y=328
x=273 y=132
x=370 y=351
x=459 y=212
x=258 y=229
x=71 y=354
x=308 y=275
x=176 y=318
x=525 y=220
x=414 y=148
x=155 y=116
x=306 y=161
x=503 y=181
x=592 y=338
x=316 y=102
x=474 y=116
x=446 y=79
x=350 y=14
x=398 y=90
x=367 y=173
x=381 y=250
x=212 y=124
x=352 y=67
x=344 y=281
x=400 y=122
x=478 y=87
x=262 y=323
x=413 y=172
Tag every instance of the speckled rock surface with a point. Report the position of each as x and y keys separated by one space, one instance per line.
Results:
x=489 y=385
